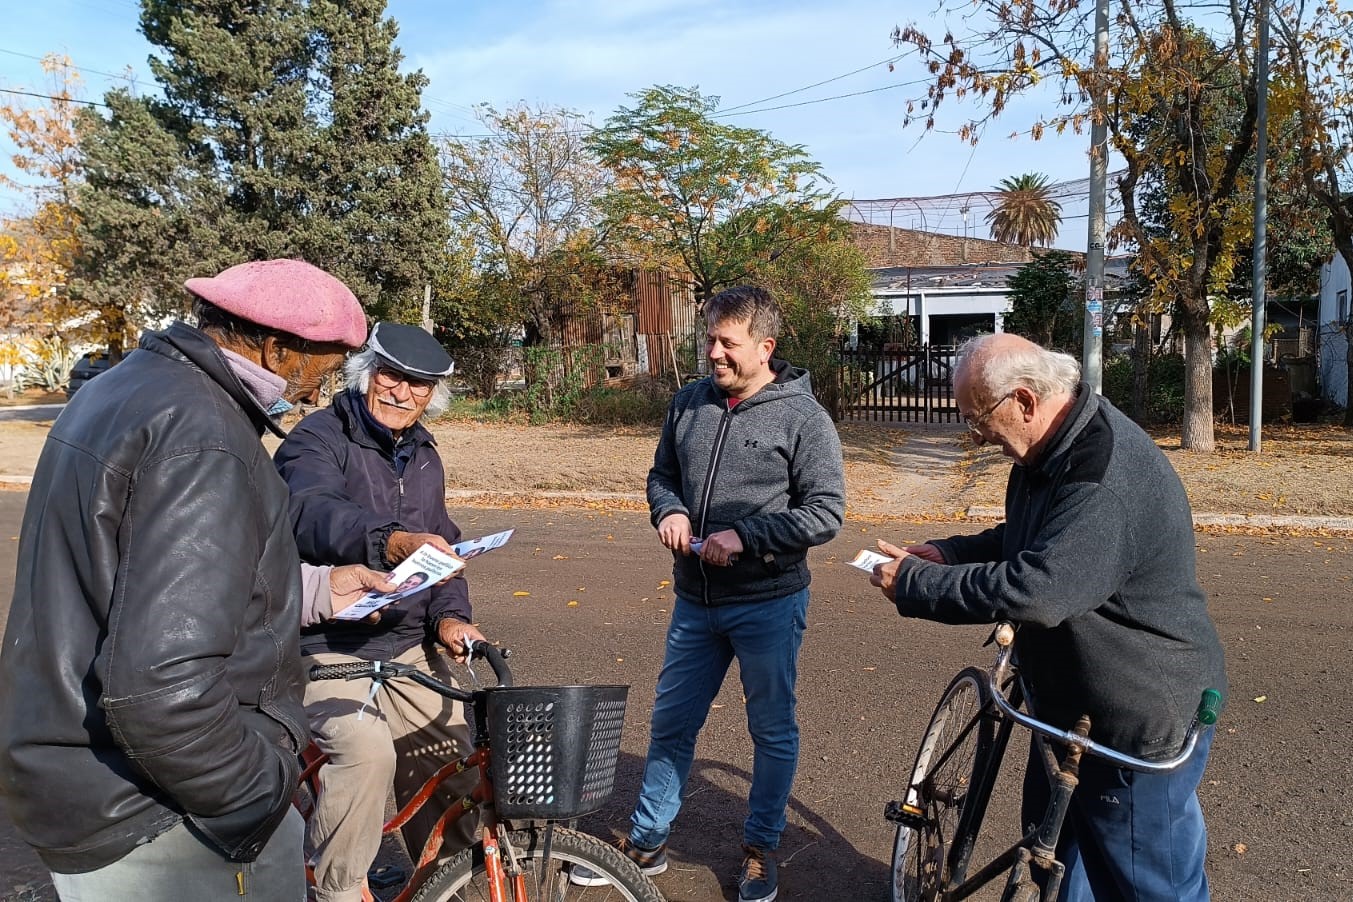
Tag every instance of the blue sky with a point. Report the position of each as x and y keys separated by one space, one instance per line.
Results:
x=587 y=56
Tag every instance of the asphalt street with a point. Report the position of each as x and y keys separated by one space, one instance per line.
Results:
x=582 y=597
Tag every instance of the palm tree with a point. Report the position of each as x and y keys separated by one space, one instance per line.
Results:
x=1025 y=214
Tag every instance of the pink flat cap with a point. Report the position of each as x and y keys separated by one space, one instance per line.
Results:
x=290 y=296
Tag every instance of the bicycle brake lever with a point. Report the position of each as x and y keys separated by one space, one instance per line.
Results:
x=375 y=687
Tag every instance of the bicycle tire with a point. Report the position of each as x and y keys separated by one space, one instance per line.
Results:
x=462 y=879
x=952 y=792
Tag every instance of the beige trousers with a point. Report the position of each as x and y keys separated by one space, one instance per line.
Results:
x=401 y=737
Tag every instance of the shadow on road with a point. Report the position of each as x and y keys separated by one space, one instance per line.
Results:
x=705 y=848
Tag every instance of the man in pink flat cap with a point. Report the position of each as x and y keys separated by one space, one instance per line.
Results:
x=151 y=680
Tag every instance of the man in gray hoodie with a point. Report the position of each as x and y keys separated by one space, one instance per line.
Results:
x=1095 y=562
x=747 y=477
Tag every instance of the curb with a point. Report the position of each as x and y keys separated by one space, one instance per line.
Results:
x=1241 y=521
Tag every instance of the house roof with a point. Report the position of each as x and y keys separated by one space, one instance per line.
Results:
x=975 y=275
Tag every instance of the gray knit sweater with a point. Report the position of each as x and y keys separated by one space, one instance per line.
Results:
x=1095 y=562
x=769 y=468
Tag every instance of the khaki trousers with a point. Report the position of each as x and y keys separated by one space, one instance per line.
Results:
x=179 y=864
x=401 y=737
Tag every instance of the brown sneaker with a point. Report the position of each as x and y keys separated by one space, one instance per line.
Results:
x=649 y=862
x=760 y=878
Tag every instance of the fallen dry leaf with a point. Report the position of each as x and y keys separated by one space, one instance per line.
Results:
x=1261 y=698
x=520 y=594
x=573 y=604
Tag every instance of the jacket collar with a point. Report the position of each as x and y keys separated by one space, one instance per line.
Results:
x=193 y=346
x=350 y=407
x=789 y=380
x=1082 y=411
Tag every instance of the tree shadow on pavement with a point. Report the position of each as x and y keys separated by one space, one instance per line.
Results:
x=817 y=862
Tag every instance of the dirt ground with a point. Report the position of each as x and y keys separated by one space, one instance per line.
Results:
x=911 y=471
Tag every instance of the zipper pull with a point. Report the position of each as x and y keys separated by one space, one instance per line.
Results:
x=401 y=486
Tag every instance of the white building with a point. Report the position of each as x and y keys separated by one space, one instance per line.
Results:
x=1335 y=290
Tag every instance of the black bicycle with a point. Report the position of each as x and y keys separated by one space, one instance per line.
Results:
x=939 y=820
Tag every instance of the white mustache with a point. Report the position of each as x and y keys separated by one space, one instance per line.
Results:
x=392 y=403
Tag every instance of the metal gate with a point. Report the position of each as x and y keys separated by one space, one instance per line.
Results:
x=898 y=385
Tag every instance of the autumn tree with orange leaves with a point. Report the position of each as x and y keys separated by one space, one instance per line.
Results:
x=38 y=247
x=1180 y=104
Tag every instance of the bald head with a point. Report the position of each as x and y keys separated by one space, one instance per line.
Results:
x=995 y=365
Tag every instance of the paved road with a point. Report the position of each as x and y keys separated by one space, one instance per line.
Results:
x=1275 y=795
x=35 y=413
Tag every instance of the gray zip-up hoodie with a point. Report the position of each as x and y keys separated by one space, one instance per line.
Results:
x=1095 y=562
x=769 y=468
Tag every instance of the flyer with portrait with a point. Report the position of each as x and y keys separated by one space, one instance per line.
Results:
x=424 y=568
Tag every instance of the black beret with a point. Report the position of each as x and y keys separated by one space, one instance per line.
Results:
x=410 y=350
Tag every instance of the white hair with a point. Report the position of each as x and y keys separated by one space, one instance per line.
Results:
x=1045 y=373
x=359 y=368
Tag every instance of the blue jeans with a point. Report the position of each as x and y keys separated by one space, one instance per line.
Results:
x=701 y=642
x=1129 y=835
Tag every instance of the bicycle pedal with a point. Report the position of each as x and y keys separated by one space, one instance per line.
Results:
x=909 y=816
x=385 y=876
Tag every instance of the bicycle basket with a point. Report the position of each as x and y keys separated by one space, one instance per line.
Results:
x=554 y=748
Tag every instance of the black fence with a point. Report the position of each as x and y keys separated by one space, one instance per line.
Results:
x=898 y=385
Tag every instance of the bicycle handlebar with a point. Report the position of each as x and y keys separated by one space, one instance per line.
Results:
x=1205 y=716
x=386 y=670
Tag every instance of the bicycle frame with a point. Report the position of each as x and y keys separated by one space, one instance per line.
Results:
x=1037 y=848
x=500 y=875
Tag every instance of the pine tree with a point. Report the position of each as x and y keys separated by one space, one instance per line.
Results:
x=285 y=130
x=381 y=221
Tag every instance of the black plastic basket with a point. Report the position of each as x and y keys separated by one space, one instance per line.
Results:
x=554 y=748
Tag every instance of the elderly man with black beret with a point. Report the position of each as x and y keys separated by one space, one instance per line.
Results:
x=368 y=487
x=151 y=683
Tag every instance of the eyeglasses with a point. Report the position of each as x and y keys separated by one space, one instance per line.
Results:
x=419 y=388
x=976 y=423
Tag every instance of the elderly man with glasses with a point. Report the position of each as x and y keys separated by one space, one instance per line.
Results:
x=367 y=486
x=1095 y=562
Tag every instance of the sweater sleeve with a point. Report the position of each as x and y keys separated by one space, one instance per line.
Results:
x=664 y=477
x=1077 y=560
x=817 y=495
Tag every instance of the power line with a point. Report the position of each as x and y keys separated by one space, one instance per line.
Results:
x=787 y=106
x=68 y=65
x=819 y=84
x=54 y=97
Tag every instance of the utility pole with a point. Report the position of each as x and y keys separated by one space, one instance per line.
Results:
x=1092 y=359
x=1260 y=274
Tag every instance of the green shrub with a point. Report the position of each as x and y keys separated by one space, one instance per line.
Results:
x=1164 y=401
x=642 y=404
x=505 y=406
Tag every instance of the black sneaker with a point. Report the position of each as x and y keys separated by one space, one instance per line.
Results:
x=760 y=878
x=649 y=862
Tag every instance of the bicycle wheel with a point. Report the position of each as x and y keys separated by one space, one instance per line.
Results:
x=950 y=786
x=462 y=879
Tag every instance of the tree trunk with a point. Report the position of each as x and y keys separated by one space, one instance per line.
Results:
x=1348 y=372
x=1141 y=368
x=1197 y=434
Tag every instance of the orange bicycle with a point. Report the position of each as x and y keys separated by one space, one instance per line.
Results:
x=545 y=754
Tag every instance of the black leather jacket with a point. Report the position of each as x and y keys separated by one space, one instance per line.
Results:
x=151 y=668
